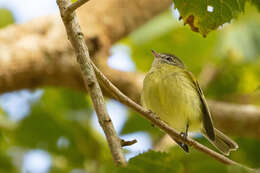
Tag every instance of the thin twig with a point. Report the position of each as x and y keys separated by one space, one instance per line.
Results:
x=127 y=143
x=74 y=6
x=77 y=40
x=159 y=123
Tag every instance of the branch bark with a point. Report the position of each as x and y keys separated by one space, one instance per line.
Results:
x=235 y=119
x=39 y=47
x=76 y=38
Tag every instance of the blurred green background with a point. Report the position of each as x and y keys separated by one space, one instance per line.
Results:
x=59 y=121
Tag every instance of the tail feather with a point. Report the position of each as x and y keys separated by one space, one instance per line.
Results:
x=223 y=143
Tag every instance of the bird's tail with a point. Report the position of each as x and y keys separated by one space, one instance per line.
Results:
x=223 y=143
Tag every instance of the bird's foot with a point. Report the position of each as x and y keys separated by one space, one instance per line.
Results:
x=183 y=146
x=184 y=135
x=150 y=111
x=154 y=114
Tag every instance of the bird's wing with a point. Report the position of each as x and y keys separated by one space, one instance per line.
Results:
x=207 y=121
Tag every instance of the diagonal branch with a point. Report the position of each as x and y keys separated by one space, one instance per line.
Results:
x=161 y=124
x=76 y=38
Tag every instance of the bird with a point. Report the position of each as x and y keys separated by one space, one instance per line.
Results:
x=172 y=92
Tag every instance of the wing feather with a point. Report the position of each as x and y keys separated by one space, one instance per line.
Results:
x=206 y=119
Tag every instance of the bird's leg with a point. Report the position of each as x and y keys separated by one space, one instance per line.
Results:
x=185 y=134
x=183 y=146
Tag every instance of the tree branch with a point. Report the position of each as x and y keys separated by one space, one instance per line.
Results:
x=74 y=6
x=127 y=143
x=77 y=40
x=40 y=48
x=235 y=119
x=154 y=119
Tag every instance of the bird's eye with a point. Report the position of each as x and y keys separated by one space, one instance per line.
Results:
x=169 y=59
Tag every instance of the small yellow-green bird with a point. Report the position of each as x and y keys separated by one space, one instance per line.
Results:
x=173 y=93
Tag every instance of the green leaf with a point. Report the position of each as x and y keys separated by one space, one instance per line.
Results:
x=196 y=161
x=196 y=13
x=177 y=161
x=149 y=162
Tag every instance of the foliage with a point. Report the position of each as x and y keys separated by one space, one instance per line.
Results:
x=204 y=16
x=151 y=162
x=60 y=121
x=60 y=124
x=178 y=161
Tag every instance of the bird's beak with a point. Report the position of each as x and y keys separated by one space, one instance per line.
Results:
x=155 y=54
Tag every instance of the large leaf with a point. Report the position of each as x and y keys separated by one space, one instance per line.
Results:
x=204 y=16
x=177 y=161
x=150 y=162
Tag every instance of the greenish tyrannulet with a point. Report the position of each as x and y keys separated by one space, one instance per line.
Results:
x=173 y=93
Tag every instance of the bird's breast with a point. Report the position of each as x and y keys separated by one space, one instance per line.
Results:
x=174 y=97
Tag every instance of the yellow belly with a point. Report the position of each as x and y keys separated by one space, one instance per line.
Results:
x=173 y=98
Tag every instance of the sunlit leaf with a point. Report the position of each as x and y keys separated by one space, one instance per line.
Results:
x=204 y=16
x=151 y=162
